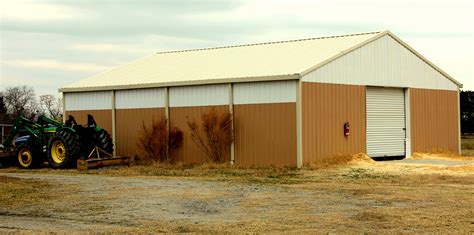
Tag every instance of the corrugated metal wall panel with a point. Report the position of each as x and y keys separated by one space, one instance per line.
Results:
x=95 y=100
x=385 y=122
x=434 y=120
x=205 y=95
x=103 y=118
x=179 y=116
x=265 y=134
x=129 y=125
x=265 y=92
x=325 y=109
x=383 y=62
x=140 y=98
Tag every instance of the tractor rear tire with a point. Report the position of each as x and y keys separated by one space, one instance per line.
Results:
x=63 y=150
x=104 y=141
x=26 y=158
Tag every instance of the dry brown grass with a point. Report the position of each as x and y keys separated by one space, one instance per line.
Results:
x=207 y=171
x=441 y=156
x=338 y=160
x=351 y=195
x=16 y=192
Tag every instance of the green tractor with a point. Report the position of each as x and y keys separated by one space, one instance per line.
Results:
x=60 y=144
x=80 y=141
x=28 y=140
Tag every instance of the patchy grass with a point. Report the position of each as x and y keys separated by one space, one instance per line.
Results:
x=467 y=146
x=348 y=196
x=467 y=143
x=15 y=192
x=212 y=171
x=206 y=171
x=364 y=173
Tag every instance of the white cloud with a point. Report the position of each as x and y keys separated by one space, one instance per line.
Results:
x=145 y=45
x=35 y=11
x=109 y=48
x=56 y=65
x=97 y=34
x=408 y=15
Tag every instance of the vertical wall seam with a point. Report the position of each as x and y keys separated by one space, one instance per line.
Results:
x=168 y=120
x=231 y=110
x=64 y=107
x=299 y=126
x=114 y=134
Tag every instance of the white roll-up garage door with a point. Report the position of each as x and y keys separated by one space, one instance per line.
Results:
x=385 y=122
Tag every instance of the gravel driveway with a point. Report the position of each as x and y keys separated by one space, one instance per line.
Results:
x=352 y=199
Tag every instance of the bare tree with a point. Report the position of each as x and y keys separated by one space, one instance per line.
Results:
x=20 y=100
x=51 y=106
x=4 y=117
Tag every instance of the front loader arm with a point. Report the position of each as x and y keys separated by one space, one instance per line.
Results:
x=43 y=120
x=21 y=123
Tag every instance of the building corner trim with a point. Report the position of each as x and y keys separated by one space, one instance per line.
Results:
x=459 y=123
x=408 y=123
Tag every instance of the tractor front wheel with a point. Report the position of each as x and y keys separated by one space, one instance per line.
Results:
x=26 y=158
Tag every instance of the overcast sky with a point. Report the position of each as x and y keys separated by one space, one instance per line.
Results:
x=48 y=44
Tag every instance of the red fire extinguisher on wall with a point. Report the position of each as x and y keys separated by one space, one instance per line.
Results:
x=346 y=129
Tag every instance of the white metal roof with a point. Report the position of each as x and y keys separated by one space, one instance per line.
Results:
x=253 y=62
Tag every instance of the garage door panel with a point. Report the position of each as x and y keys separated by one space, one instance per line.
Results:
x=385 y=122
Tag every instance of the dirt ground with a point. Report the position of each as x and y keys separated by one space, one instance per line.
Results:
x=423 y=194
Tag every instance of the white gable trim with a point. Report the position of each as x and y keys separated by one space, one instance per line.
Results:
x=382 y=62
x=372 y=39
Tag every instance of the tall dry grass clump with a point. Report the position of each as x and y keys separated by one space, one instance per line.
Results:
x=213 y=135
x=338 y=160
x=156 y=141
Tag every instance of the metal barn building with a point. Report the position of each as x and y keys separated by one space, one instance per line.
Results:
x=292 y=101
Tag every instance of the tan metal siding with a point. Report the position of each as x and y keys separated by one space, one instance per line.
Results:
x=103 y=118
x=189 y=152
x=129 y=126
x=434 y=120
x=383 y=62
x=265 y=134
x=325 y=109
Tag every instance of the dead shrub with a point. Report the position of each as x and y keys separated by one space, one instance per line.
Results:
x=153 y=140
x=214 y=134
